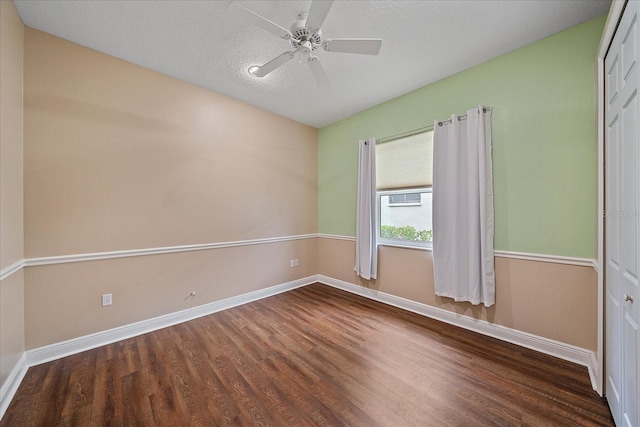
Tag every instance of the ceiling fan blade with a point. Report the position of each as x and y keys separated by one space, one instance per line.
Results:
x=276 y=62
x=318 y=72
x=361 y=46
x=318 y=13
x=242 y=12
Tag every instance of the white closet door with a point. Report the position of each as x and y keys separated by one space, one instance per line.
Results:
x=622 y=221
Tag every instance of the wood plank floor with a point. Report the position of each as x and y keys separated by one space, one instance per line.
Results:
x=312 y=356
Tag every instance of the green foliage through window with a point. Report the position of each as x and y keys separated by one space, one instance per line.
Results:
x=406 y=232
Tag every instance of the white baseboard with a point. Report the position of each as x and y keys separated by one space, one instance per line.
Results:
x=88 y=342
x=558 y=349
x=10 y=386
x=55 y=351
x=594 y=373
x=76 y=345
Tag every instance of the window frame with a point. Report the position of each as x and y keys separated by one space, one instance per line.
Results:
x=401 y=243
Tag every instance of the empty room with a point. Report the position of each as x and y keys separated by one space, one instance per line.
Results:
x=308 y=212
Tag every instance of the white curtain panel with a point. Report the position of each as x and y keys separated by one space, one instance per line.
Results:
x=463 y=224
x=366 y=246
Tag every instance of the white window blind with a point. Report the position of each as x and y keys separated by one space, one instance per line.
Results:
x=405 y=162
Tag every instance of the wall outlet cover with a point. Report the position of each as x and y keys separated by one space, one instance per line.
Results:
x=107 y=299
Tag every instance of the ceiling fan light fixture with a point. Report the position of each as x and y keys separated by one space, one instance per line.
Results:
x=252 y=70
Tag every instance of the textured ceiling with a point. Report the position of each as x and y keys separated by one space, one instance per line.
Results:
x=199 y=42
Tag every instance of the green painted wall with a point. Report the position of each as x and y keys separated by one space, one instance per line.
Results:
x=544 y=142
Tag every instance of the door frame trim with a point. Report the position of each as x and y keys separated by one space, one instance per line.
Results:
x=613 y=19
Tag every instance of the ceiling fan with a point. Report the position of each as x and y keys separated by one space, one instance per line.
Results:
x=305 y=37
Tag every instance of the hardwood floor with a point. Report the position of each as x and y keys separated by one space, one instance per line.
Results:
x=312 y=356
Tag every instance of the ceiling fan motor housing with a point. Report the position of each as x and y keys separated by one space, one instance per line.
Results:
x=304 y=37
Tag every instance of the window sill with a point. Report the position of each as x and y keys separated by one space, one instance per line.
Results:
x=400 y=205
x=400 y=245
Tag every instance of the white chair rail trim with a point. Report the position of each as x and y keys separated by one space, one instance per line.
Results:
x=62 y=259
x=13 y=268
x=156 y=251
x=557 y=259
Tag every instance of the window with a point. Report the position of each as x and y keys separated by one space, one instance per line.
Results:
x=403 y=168
x=405 y=223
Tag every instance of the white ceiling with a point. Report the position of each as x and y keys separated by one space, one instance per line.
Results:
x=198 y=42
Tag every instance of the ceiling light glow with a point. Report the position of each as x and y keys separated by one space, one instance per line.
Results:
x=253 y=69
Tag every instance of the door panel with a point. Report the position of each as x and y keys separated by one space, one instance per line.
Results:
x=628 y=48
x=612 y=253
x=630 y=368
x=612 y=190
x=622 y=163
x=612 y=81
x=629 y=188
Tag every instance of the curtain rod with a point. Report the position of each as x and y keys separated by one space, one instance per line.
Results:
x=422 y=129
x=462 y=117
x=404 y=134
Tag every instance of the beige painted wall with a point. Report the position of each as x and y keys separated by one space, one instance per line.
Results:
x=11 y=228
x=120 y=157
x=11 y=135
x=550 y=300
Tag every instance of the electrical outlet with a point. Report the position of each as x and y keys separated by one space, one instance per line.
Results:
x=296 y=262
x=293 y=263
x=107 y=299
